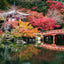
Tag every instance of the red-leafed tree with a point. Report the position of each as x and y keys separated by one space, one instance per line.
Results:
x=55 y=5
x=44 y=23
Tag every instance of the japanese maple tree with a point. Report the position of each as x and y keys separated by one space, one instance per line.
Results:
x=55 y=5
x=44 y=23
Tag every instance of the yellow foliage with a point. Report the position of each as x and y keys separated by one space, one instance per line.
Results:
x=25 y=29
x=25 y=25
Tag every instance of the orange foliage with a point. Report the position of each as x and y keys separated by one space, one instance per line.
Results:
x=62 y=11
x=26 y=32
x=14 y=24
x=25 y=29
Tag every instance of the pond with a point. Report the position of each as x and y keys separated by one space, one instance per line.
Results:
x=37 y=56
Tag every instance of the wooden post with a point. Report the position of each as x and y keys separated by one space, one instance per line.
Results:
x=43 y=38
x=54 y=39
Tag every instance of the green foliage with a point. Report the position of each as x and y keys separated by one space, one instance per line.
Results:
x=11 y=1
x=27 y=5
x=5 y=54
x=42 y=7
x=3 y=4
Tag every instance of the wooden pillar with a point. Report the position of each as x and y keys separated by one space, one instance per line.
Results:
x=53 y=38
x=43 y=38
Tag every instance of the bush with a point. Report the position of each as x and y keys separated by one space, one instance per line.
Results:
x=27 y=5
x=55 y=15
x=3 y=4
x=42 y=7
x=44 y=23
x=55 y=5
x=25 y=29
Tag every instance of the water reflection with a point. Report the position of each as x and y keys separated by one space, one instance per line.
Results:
x=42 y=57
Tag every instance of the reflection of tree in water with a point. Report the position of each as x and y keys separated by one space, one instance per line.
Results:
x=4 y=54
x=15 y=53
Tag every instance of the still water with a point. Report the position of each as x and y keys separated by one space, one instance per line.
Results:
x=43 y=57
